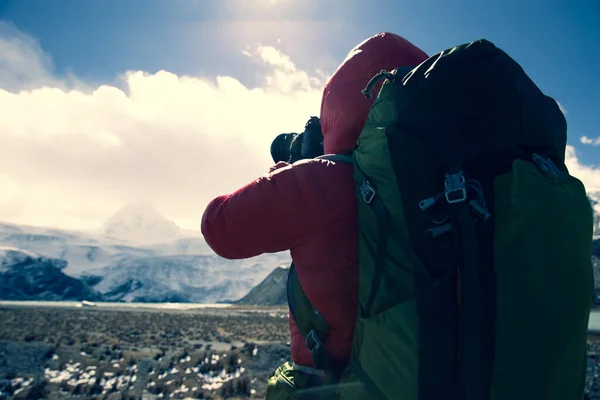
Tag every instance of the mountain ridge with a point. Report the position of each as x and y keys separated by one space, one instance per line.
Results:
x=27 y=276
x=182 y=269
x=272 y=291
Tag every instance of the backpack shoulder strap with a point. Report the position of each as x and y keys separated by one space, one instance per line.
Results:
x=310 y=323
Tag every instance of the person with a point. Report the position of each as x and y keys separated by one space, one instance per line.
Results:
x=309 y=206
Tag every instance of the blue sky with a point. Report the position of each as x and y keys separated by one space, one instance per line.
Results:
x=557 y=43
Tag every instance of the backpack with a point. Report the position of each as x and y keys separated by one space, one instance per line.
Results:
x=474 y=241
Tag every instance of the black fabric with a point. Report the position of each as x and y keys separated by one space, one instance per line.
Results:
x=438 y=337
x=485 y=233
x=420 y=175
x=474 y=100
x=470 y=365
x=485 y=170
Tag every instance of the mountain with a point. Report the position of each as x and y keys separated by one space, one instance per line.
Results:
x=81 y=251
x=28 y=276
x=595 y=201
x=270 y=292
x=183 y=269
x=140 y=223
x=180 y=278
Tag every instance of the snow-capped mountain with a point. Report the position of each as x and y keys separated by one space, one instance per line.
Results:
x=28 y=276
x=196 y=279
x=595 y=201
x=178 y=267
x=81 y=251
x=140 y=223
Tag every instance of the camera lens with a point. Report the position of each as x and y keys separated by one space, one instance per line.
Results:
x=280 y=148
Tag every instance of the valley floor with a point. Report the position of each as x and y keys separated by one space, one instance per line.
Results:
x=62 y=353
x=125 y=353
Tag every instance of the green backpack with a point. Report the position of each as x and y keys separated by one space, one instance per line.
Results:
x=474 y=241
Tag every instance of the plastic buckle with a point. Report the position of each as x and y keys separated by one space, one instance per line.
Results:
x=427 y=203
x=456 y=188
x=480 y=210
x=545 y=165
x=313 y=343
x=367 y=191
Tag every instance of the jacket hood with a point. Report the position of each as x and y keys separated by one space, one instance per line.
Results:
x=344 y=109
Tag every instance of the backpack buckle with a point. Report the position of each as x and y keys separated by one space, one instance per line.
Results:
x=313 y=342
x=545 y=165
x=367 y=191
x=456 y=188
x=480 y=210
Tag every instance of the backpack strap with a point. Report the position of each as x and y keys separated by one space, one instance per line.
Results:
x=310 y=323
x=470 y=365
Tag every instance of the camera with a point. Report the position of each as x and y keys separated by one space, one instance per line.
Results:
x=291 y=147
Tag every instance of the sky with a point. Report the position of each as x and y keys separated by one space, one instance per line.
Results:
x=103 y=103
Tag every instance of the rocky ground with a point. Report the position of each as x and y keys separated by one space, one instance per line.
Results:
x=69 y=353
x=61 y=353
x=592 y=386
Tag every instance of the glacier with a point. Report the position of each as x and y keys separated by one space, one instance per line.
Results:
x=119 y=263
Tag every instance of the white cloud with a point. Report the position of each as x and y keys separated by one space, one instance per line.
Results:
x=8 y=189
x=589 y=175
x=593 y=142
x=72 y=157
x=23 y=63
x=285 y=76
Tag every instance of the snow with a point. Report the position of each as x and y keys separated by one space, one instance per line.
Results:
x=197 y=279
x=595 y=200
x=140 y=223
x=181 y=267
x=12 y=255
x=81 y=251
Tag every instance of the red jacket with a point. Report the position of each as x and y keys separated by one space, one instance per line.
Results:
x=309 y=207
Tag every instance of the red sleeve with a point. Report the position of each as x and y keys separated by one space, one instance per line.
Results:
x=270 y=214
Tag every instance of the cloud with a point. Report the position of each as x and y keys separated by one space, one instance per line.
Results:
x=589 y=175
x=23 y=63
x=593 y=142
x=285 y=77
x=72 y=155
